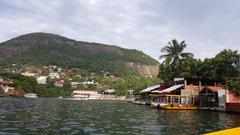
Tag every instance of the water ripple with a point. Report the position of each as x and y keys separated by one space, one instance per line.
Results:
x=55 y=116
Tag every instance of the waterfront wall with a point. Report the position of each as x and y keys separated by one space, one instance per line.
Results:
x=233 y=107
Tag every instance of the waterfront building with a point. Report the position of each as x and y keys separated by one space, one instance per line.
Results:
x=109 y=92
x=172 y=98
x=8 y=88
x=177 y=94
x=190 y=93
x=219 y=98
x=130 y=94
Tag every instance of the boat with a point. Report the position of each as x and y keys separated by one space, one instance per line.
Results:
x=179 y=107
x=172 y=102
x=233 y=131
x=157 y=105
x=137 y=102
x=84 y=95
x=30 y=95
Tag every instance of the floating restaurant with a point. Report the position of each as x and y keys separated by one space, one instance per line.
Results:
x=190 y=94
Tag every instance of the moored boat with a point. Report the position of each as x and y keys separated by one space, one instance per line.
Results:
x=157 y=105
x=30 y=95
x=84 y=95
x=139 y=102
x=179 y=107
x=173 y=102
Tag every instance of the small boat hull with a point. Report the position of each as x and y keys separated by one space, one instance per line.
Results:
x=139 y=102
x=30 y=95
x=158 y=105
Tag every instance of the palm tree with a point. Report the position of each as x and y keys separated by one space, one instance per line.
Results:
x=174 y=53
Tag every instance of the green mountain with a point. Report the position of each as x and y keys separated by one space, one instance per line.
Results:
x=51 y=49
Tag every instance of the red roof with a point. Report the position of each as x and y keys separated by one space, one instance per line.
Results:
x=214 y=88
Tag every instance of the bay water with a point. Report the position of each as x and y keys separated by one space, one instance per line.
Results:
x=20 y=116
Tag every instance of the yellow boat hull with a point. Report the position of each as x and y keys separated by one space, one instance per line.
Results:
x=233 y=131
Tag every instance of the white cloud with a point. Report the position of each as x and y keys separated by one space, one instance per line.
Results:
x=147 y=25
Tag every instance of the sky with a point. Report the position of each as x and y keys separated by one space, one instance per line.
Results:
x=207 y=26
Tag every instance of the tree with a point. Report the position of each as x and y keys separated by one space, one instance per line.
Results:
x=191 y=68
x=234 y=84
x=221 y=66
x=120 y=87
x=174 y=58
x=166 y=73
x=174 y=53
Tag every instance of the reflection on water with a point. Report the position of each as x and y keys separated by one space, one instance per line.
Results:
x=56 y=116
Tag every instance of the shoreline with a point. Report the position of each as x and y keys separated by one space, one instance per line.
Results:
x=113 y=99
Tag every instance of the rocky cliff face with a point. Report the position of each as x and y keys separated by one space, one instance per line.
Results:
x=144 y=70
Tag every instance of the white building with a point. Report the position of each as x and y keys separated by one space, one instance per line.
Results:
x=109 y=92
x=42 y=80
x=54 y=75
x=28 y=74
x=90 y=82
x=7 y=89
x=1 y=79
x=75 y=84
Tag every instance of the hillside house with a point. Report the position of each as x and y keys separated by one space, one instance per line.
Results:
x=59 y=83
x=6 y=86
x=75 y=84
x=54 y=75
x=62 y=75
x=90 y=82
x=42 y=80
x=1 y=79
x=28 y=74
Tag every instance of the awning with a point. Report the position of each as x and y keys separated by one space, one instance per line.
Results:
x=168 y=90
x=149 y=89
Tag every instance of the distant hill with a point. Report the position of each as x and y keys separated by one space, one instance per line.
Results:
x=51 y=49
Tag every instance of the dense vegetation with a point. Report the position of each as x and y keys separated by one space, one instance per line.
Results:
x=121 y=85
x=129 y=82
x=49 y=49
x=29 y=84
x=224 y=67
